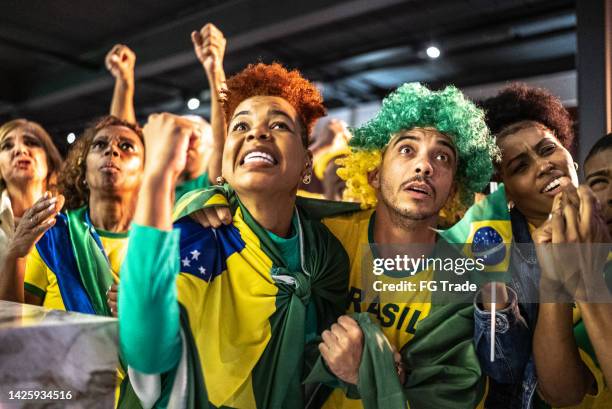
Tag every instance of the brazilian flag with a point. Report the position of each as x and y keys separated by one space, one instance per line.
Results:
x=485 y=233
x=72 y=249
x=243 y=311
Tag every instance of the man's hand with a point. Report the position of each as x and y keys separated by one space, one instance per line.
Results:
x=166 y=141
x=342 y=348
x=209 y=46
x=120 y=61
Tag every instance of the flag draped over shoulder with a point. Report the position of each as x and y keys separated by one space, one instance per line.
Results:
x=486 y=234
x=244 y=311
x=73 y=251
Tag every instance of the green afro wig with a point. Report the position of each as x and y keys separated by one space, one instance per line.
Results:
x=414 y=105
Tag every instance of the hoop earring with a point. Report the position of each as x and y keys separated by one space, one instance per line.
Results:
x=307 y=179
x=576 y=166
x=510 y=206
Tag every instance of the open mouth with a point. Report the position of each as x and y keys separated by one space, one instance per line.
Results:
x=258 y=157
x=23 y=163
x=419 y=188
x=554 y=186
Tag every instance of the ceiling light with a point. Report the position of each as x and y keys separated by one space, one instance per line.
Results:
x=193 y=104
x=433 y=51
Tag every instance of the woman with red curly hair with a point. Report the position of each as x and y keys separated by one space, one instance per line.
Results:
x=241 y=327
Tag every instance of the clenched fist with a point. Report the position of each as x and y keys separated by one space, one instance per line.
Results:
x=120 y=61
x=341 y=349
x=209 y=46
x=166 y=142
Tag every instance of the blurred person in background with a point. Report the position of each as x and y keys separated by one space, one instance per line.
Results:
x=332 y=136
x=325 y=166
x=598 y=176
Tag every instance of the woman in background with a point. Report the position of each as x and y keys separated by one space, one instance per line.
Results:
x=29 y=166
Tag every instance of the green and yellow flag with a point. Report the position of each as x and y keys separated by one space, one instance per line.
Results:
x=485 y=233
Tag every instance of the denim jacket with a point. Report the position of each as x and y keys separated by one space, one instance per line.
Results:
x=512 y=376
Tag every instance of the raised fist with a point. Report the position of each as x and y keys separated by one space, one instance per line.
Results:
x=120 y=61
x=166 y=142
x=209 y=46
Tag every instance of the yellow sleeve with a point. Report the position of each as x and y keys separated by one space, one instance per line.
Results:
x=601 y=398
x=36 y=280
x=597 y=374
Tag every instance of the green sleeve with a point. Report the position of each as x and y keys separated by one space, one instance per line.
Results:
x=149 y=327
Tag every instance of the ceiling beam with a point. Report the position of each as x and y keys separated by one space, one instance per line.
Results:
x=159 y=53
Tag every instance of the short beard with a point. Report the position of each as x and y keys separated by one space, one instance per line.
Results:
x=401 y=216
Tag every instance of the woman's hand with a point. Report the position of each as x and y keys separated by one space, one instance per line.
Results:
x=569 y=247
x=112 y=295
x=120 y=61
x=34 y=223
x=209 y=46
x=166 y=141
x=212 y=216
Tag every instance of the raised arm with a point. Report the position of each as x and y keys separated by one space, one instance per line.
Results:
x=209 y=47
x=120 y=61
x=148 y=308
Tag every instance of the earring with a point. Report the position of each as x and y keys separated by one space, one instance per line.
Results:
x=220 y=180
x=576 y=166
x=307 y=179
x=84 y=182
x=510 y=206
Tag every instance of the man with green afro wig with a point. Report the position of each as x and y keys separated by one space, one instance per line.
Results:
x=413 y=105
x=422 y=156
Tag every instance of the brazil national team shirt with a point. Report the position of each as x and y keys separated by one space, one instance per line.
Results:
x=398 y=321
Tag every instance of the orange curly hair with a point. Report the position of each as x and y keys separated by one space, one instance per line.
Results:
x=275 y=80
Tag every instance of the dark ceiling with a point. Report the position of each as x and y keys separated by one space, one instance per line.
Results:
x=52 y=52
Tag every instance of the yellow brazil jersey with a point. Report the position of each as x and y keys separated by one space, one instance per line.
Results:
x=398 y=321
x=603 y=397
x=41 y=281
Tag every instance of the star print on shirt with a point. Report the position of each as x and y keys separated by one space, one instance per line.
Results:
x=195 y=254
x=194 y=261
